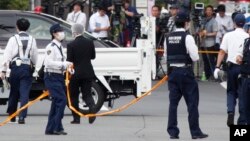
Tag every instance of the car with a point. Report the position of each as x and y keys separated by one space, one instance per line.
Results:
x=40 y=24
x=119 y=71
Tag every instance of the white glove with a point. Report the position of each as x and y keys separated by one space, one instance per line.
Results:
x=66 y=64
x=216 y=73
x=71 y=70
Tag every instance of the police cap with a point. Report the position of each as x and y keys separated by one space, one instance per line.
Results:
x=55 y=28
x=182 y=17
x=23 y=24
x=240 y=20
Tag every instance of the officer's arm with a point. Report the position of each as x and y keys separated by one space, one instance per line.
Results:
x=223 y=51
x=192 y=49
x=7 y=56
x=165 y=48
x=51 y=57
x=34 y=55
x=240 y=54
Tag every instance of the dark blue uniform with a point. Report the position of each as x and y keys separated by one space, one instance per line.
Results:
x=20 y=48
x=245 y=75
x=181 y=83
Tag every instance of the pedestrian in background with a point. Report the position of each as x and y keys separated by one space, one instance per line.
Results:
x=181 y=53
x=80 y=52
x=230 y=45
x=99 y=24
x=20 y=55
x=208 y=36
x=77 y=16
x=55 y=65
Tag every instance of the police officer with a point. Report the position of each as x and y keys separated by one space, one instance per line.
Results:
x=181 y=52
x=243 y=58
x=20 y=55
x=55 y=65
x=81 y=57
x=231 y=42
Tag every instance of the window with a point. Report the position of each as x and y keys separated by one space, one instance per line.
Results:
x=39 y=28
x=7 y=26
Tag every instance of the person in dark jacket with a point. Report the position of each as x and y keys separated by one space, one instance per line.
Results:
x=80 y=52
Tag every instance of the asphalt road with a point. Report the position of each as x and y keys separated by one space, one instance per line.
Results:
x=144 y=121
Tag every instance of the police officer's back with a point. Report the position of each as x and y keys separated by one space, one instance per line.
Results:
x=20 y=55
x=181 y=52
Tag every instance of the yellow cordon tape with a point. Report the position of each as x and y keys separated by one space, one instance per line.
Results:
x=115 y=110
x=200 y=51
x=43 y=95
x=46 y=93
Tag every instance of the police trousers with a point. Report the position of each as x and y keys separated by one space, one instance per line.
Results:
x=246 y=98
x=234 y=92
x=182 y=83
x=56 y=85
x=20 y=85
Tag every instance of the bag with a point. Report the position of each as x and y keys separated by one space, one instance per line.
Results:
x=41 y=72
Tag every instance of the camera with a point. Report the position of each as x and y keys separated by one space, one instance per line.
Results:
x=137 y=24
x=198 y=16
x=163 y=22
x=117 y=12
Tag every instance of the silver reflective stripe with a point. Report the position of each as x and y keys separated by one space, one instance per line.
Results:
x=24 y=57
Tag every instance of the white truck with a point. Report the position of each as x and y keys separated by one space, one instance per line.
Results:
x=119 y=71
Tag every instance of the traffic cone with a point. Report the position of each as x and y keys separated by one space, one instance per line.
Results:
x=203 y=76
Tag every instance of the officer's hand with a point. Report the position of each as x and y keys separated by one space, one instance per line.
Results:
x=3 y=75
x=216 y=73
x=239 y=60
x=71 y=70
x=66 y=64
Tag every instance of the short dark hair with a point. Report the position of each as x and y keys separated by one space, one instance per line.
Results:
x=221 y=8
x=156 y=6
x=209 y=6
x=180 y=24
x=23 y=24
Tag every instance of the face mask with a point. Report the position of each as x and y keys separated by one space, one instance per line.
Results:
x=60 y=36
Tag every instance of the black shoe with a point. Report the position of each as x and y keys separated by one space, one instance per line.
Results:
x=21 y=120
x=56 y=133
x=202 y=135
x=230 y=119
x=174 y=137
x=13 y=119
x=92 y=111
x=75 y=122
x=91 y=120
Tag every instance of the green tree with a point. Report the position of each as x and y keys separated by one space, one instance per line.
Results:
x=14 y=4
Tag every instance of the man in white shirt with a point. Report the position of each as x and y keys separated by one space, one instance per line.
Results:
x=77 y=16
x=230 y=45
x=225 y=23
x=99 y=24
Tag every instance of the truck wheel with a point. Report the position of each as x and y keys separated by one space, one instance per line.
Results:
x=98 y=95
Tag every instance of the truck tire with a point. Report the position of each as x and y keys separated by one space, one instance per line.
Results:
x=98 y=95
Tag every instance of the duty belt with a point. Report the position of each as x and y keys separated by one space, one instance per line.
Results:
x=47 y=70
x=245 y=75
